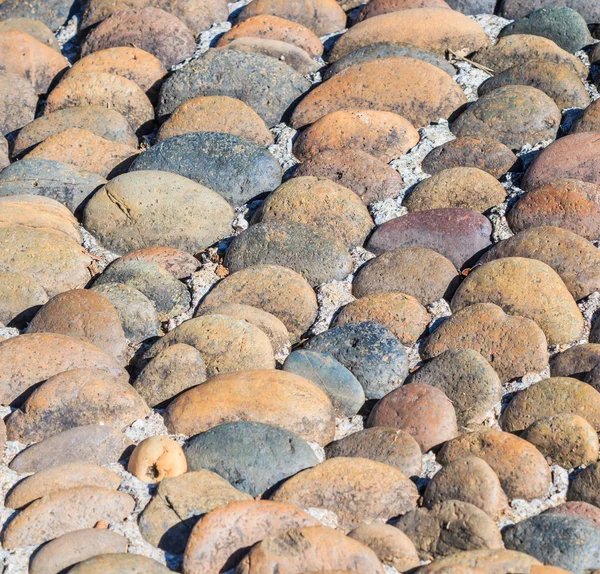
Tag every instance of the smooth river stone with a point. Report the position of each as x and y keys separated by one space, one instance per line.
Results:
x=20 y=297
x=576 y=362
x=94 y=444
x=514 y=9
x=378 y=7
x=461 y=235
x=514 y=115
x=117 y=563
x=369 y=351
x=529 y=288
x=270 y=397
x=389 y=85
x=268 y=86
x=179 y=263
x=570 y=157
x=488 y=561
x=575 y=259
x=232 y=450
x=416 y=271
x=18 y=102
x=315 y=253
x=236 y=168
x=513 y=345
x=433 y=29
x=521 y=468
x=357 y=490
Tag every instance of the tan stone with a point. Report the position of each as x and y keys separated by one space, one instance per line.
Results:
x=157 y=458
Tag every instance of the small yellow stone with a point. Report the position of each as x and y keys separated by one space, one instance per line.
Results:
x=155 y=458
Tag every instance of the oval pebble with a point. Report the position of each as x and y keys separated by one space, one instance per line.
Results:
x=116 y=563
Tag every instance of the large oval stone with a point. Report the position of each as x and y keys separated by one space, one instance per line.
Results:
x=513 y=345
x=378 y=7
x=461 y=235
x=18 y=102
x=386 y=84
x=236 y=168
x=477 y=561
x=514 y=9
x=119 y=563
x=266 y=396
x=20 y=297
x=268 y=86
x=576 y=362
x=233 y=449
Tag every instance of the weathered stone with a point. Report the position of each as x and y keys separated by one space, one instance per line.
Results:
x=274 y=289
x=433 y=29
x=478 y=561
x=94 y=444
x=153 y=30
x=179 y=503
x=338 y=383
x=271 y=397
x=66 y=511
x=20 y=297
x=416 y=271
x=514 y=9
x=588 y=121
x=514 y=115
x=561 y=24
x=576 y=362
x=382 y=134
x=236 y=168
x=460 y=235
x=216 y=114
x=521 y=468
x=586 y=486
x=316 y=254
x=53 y=13
x=468 y=381
x=18 y=102
x=558 y=81
x=471 y=480
x=473 y=7
x=70 y=549
x=370 y=178
x=378 y=7
x=267 y=86
x=232 y=451
x=449 y=527
x=369 y=351
x=4 y=159
x=179 y=263
x=390 y=446
x=513 y=345
x=575 y=508
x=169 y=296
x=86 y=315
x=483 y=153
x=388 y=85
x=115 y=563
x=564 y=541
x=34 y=28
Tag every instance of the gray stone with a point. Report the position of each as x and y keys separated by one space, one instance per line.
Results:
x=340 y=385
x=514 y=9
x=253 y=457
x=472 y=7
x=53 y=13
x=586 y=486
x=236 y=168
x=18 y=102
x=369 y=351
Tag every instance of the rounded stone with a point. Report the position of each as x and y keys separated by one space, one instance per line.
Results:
x=384 y=135
x=274 y=289
x=338 y=383
x=179 y=263
x=575 y=508
x=378 y=7
x=449 y=527
x=514 y=9
x=315 y=253
x=53 y=13
x=465 y=187
x=322 y=204
x=461 y=235
x=369 y=351
x=19 y=102
x=232 y=450
x=479 y=561
x=514 y=115
x=235 y=168
x=370 y=178
x=153 y=30
x=567 y=203
x=469 y=479
x=20 y=298
x=216 y=114
x=521 y=468
x=589 y=120
x=33 y=27
x=586 y=486
x=357 y=490
x=421 y=410
x=270 y=397
x=115 y=563
x=575 y=362
x=529 y=288
x=468 y=381
x=415 y=271
x=387 y=85
x=86 y=315
x=157 y=458
x=387 y=445
x=484 y=153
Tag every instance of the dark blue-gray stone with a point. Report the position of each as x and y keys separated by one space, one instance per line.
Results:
x=562 y=25
x=267 y=85
x=53 y=179
x=339 y=384
x=251 y=456
x=234 y=167
x=53 y=13
x=369 y=351
x=387 y=50
x=471 y=7
x=514 y=9
x=318 y=256
x=568 y=542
